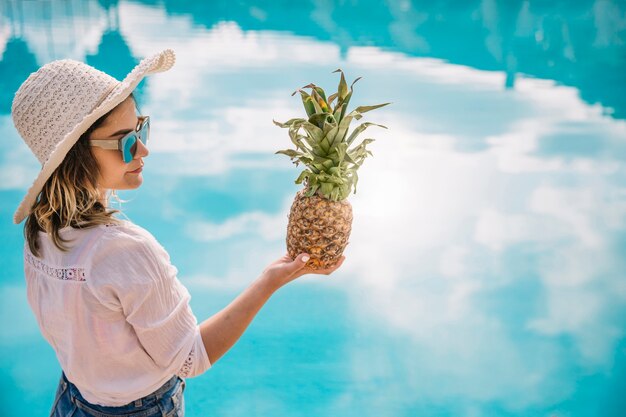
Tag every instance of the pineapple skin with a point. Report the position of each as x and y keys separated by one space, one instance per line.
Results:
x=319 y=227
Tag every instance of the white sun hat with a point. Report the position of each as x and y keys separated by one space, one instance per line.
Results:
x=60 y=101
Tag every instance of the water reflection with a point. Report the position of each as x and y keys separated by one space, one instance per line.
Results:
x=575 y=43
x=113 y=55
x=578 y=43
x=485 y=273
x=17 y=62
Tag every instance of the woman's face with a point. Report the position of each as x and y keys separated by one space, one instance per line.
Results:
x=115 y=174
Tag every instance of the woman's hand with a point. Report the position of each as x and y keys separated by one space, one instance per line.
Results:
x=285 y=270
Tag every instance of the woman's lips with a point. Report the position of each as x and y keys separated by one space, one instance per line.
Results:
x=137 y=171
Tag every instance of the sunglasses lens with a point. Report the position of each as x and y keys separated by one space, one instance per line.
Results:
x=145 y=132
x=129 y=143
x=130 y=147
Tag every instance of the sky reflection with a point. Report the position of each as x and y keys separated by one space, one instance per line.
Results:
x=485 y=273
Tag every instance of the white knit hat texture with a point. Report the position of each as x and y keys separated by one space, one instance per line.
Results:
x=60 y=101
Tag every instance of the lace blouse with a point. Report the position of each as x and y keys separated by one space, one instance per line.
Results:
x=114 y=311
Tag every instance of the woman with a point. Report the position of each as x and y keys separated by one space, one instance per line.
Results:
x=103 y=290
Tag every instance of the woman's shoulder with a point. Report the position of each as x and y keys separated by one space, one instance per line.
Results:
x=128 y=232
x=118 y=233
x=127 y=243
x=115 y=226
x=123 y=227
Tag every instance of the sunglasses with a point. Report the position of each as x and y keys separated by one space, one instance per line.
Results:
x=127 y=144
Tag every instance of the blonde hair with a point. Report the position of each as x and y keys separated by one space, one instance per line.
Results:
x=70 y=197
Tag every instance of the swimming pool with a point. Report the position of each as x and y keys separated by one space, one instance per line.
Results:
x=485 y=274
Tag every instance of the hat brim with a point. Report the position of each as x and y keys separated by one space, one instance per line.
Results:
x=159 y=62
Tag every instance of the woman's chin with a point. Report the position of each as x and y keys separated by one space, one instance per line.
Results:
x=136 y=184
x=132 y=181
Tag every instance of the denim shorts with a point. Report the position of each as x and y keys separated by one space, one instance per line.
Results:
x=166 y=401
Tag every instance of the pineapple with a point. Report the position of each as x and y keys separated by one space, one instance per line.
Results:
x=320 y=220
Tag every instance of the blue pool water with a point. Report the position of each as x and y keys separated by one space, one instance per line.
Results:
x=485 y=274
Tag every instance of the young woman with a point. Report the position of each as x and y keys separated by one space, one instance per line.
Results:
x=103 y=290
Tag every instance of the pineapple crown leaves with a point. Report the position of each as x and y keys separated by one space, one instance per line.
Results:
x=324 y=147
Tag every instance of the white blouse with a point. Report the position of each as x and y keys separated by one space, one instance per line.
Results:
x=114 y=311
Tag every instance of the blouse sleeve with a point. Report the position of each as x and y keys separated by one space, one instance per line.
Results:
x=142 y=281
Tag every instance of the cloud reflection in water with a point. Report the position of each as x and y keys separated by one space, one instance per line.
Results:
x=494 y=274
x=485 y=273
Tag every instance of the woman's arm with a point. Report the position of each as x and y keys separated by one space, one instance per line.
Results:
x=221 y=331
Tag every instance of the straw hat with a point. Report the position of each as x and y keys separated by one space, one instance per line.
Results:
x=60 y=101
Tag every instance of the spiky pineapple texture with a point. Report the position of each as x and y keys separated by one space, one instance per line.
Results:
x=324 y=148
